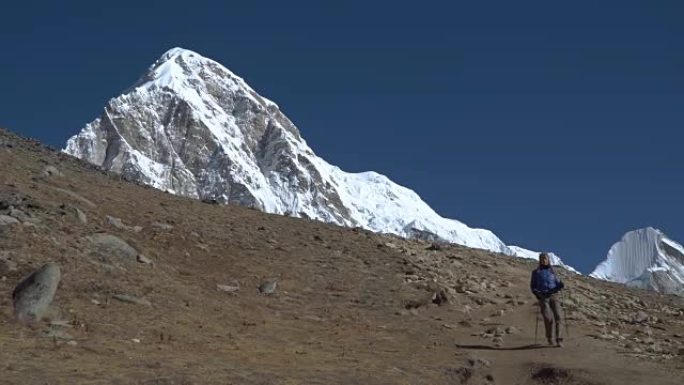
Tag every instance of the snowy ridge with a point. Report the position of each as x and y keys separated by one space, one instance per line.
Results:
x=191 y=127
x=647 y=259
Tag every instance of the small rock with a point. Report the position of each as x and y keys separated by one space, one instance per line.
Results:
x=49 y=171
x=115 y=222
x=162 y=226
x=33 y=296
x=440 y=298
x=435 y=247
x=81 y=216
x=136 y=229
x=512 y=330
x=391 y=245
x=131 y=299
x=143 y=259
x=640 y=317
x=268 y=287
x=498 y=341
x=6 y=220
x=228 y=288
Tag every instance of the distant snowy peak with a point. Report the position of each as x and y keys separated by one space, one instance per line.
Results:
x=647 y=259
x=192 y=127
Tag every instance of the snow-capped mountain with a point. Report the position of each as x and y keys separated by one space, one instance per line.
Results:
x=647 y=259
x=191 y=127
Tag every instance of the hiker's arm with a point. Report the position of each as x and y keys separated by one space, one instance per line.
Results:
x=533 y=284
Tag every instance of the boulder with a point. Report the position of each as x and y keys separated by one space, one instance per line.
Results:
x=33 y=296
x=114 y=247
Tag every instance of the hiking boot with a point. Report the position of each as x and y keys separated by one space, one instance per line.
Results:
x=550 y=341
x=559 y=342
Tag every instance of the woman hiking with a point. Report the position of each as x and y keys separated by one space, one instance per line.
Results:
x=545 y=285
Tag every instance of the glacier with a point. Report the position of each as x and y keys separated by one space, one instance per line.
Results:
x=190 y=126
x=647 y=259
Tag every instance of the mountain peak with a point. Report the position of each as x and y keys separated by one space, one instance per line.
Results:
x=645 y=258
x=177 y=51
x=191 y=127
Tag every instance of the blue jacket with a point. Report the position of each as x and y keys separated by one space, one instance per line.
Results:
x=545 y=282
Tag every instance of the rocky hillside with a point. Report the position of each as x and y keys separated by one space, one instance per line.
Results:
x=153 y=288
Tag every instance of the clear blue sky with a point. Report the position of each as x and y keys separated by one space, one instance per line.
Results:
x=558 y=125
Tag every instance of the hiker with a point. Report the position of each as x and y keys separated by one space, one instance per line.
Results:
x=545 y=286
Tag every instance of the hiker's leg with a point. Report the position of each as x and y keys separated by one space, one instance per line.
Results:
x=547 y=315
x=557 y=315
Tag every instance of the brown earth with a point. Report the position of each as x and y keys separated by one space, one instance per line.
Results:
x=349 y=307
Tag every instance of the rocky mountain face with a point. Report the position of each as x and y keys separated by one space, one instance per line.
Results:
x=191 y=127
x=647 y=259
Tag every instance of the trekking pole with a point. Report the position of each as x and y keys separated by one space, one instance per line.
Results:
x=536 y=326
x=565 y=314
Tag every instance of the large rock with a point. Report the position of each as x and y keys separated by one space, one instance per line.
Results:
x=33 y=296
x=111 y=246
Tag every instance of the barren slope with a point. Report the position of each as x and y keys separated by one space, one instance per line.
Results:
x=350 y=307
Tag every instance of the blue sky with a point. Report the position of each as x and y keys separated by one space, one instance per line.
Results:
x=556 y=125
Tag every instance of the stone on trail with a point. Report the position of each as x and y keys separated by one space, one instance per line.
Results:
x=33 y=296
